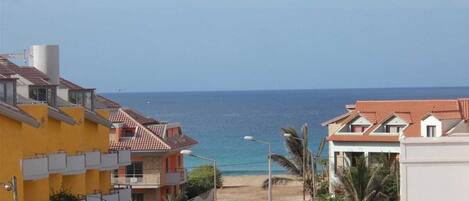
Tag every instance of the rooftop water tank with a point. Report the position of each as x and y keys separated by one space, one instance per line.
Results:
x=46 y=59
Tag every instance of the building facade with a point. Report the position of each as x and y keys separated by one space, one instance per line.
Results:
x=50 y=141
x=373 y=129
x=157 y=168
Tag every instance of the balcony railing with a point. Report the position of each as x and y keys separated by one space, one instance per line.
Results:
x=92 y=159
x=175 y=178
x=124 y=157
x=109 y=161
x=35 y=168
x=57 y=162
x=75 y=164
x=137 y=180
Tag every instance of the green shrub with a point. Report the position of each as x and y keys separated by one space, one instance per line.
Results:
x=63 y=195
x=200 y=180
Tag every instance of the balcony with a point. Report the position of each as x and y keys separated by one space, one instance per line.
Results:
x=35 y=168
x=138 y=181
x=109 y=161
x=75 y=164
x=57 y=162
x=124 y=157
x=92 y=160
x=175 y=178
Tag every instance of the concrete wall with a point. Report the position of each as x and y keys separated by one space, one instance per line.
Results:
x=434 y=169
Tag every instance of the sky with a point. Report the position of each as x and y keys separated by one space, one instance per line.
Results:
x=200 y=45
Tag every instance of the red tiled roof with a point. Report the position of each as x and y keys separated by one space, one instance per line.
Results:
x=33 y=75
x=411 y=111
x=370 y=116
x=405 y=116
x=106 y=102
x=144 y=138
x=70 y=85
x=464 y=105
x=140 y=118
x=445 y=115
x=147 y=137
x=363 y=138
x=6 y=67
x=157 y=129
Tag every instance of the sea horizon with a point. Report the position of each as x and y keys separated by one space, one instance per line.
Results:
x=299 y=89
x=218 y=120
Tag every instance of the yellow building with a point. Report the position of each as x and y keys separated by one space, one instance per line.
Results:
x=52 y=137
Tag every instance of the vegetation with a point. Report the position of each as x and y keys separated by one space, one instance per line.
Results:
x=299 y=160
x=63 y=195
x=365 y=183
x=200 y=180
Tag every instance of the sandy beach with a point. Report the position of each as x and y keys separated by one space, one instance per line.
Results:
x=248 y=188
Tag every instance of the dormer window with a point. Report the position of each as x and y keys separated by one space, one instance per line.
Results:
x=43 y=93
x=83 y=97
x=393 y=125
x=8 y=91
x=358 y=125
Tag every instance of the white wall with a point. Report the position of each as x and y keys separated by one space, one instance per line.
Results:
x=434 y=169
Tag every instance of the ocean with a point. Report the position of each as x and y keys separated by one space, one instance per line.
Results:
x=218 y=120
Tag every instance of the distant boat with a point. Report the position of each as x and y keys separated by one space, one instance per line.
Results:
x=147 y=102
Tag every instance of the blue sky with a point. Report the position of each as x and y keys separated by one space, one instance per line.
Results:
x=187 y=45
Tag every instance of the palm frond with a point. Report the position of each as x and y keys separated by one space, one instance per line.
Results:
x=287 y=164
x=276 y=181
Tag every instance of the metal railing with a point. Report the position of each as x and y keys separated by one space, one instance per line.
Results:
x=137 y=179
x=157 y=178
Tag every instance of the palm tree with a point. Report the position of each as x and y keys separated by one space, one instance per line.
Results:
x=297 y=160
x=363 y=183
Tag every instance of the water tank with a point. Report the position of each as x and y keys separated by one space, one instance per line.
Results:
x=46 y=59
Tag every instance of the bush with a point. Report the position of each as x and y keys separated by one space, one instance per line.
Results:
x=63 y=195
x=200 y=180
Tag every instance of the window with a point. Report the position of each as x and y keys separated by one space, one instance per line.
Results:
x=44 y=94
x=357 y=128
x=137 y=196
x=431 y=131
x=134 y=170
x=84 y=97
x=115 y=173
x=167 y=165
x=128 y=133
x=8 y=91
x=393 y=129
x=180 y=161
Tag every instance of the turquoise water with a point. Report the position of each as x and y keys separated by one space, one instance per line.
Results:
x=219 y=120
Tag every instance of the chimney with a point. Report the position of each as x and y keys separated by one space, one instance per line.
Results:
x=46 y=59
